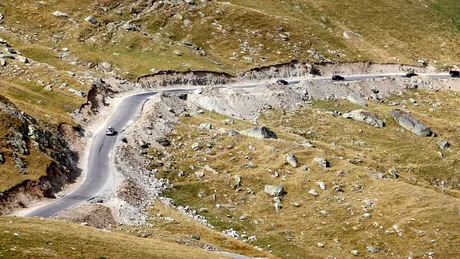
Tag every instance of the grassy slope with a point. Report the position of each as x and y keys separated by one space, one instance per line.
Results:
x=389 y=29
x=34 y=238
x=415 y=202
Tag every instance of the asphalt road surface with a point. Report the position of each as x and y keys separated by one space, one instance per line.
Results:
x=98 y=167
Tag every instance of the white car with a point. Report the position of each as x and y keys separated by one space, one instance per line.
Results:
x=110 y=131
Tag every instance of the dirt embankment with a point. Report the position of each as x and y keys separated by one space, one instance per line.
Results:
x=298 y=69
x=164 y=79
x=294 y=69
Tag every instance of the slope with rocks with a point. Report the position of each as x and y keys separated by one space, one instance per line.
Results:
x=231 y=36
x=35 y=160
x=347 y=187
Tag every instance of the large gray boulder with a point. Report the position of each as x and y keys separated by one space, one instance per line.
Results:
x=260 y=132
x=292 y=160
x=274 y=190
x=321 y=162
x=366 y=117
x=407 y=121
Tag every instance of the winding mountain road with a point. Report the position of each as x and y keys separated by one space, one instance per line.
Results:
x=98 y=167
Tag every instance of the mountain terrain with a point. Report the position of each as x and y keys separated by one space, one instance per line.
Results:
x=357 y=168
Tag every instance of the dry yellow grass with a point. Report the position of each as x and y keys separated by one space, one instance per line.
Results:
x=34 y=238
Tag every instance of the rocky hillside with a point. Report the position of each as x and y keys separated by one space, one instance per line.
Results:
x=347 y=153
x=35 y=161
x=131 y=38
x=319 y=169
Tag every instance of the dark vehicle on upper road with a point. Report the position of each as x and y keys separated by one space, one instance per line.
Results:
x=338 y=78
x=411 y=74
x=282 y=82
x=110 y=131
x=454 y=73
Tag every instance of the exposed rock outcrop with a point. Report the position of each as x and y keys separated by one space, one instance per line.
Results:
x=25 y=137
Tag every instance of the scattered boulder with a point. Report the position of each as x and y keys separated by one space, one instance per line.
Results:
x=292 y=160
x=165 y=142
x=307 y=143
x=2 y=62
x=196 y=146
x=22 y=59
x=260 y=132
x=274 y=190
x=356 y=99
x=60 y=14
x=443 y=145
x=313 y=192
x=373 y=249
x=277 y=203
x=232 y=133
x=237 y=181
x=381 y=175
x=228 y=121
x=76 y=92
x=365 y=116
x=407 y=121
x=322 y=185
x=91 y=19
x=2 y=159
x=355 y=252
x=321 y=162
x=205 y=126
x=199 y=174
x=394 y=173
x=178 y=52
